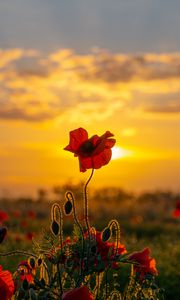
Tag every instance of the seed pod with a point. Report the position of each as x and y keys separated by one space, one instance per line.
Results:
x=39 y=261
x=68 y=207
x=32 y=262
x=106 y=234
x=55 y=227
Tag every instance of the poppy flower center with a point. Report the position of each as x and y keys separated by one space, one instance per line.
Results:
x=87 y=148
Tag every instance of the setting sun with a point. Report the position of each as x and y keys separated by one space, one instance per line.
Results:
x=118 y=152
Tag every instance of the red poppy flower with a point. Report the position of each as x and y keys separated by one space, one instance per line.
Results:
x=6 y=285
x=146 y=263
x=94 y=152
x=29 y=236
x=26 y=271
x=24 y=224
x=81 y=293
x=107 y=250
x=18 y=238
x=31 y=214
x=3 y=216
x=16 y=213
x=176 y=211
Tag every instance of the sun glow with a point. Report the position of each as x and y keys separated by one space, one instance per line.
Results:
x=118 y=152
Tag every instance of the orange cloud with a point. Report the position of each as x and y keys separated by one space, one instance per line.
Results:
x=64 y=85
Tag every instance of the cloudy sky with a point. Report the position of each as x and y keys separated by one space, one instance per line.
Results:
x=102 y=65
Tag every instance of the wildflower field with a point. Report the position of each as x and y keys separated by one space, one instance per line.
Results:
x=84 y=243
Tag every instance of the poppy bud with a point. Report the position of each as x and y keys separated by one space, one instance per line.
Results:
x=68 y=207
x=55 y=227
x=106 y=234
x=3 y=232
x=39 y=261
x=32 y=262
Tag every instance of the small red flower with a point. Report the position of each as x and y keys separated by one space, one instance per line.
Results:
x=31 y=214
x=24 y=224
x=81 y=293
x=6 y=285
x=108 y=250
x=146 y=263
x=26 y=271
x=3 y=216
x=176 y=211
x=16 y=214
x=18 y=238
x=29 y=236
x=94 y=152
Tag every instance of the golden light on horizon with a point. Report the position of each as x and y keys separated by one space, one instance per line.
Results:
x=119 y=153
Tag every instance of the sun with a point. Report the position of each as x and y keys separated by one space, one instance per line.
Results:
x=118 y=152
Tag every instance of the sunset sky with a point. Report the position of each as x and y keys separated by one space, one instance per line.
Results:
x=97 y=64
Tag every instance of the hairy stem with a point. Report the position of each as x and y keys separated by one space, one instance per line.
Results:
x=70 y=196
x=86 y=201
x=86 y=217
x=59 y=278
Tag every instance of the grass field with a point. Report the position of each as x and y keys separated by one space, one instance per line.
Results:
x=146 y=220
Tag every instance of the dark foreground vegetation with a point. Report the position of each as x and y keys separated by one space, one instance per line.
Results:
x=149 y=219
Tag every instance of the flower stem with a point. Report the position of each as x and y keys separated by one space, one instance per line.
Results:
x=59 y=278
x=106 y=282
x=86 y=214
x=86 y=201
x=70 y=196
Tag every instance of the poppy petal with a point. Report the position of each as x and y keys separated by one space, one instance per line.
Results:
x=101 y=159
x=77 y=137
